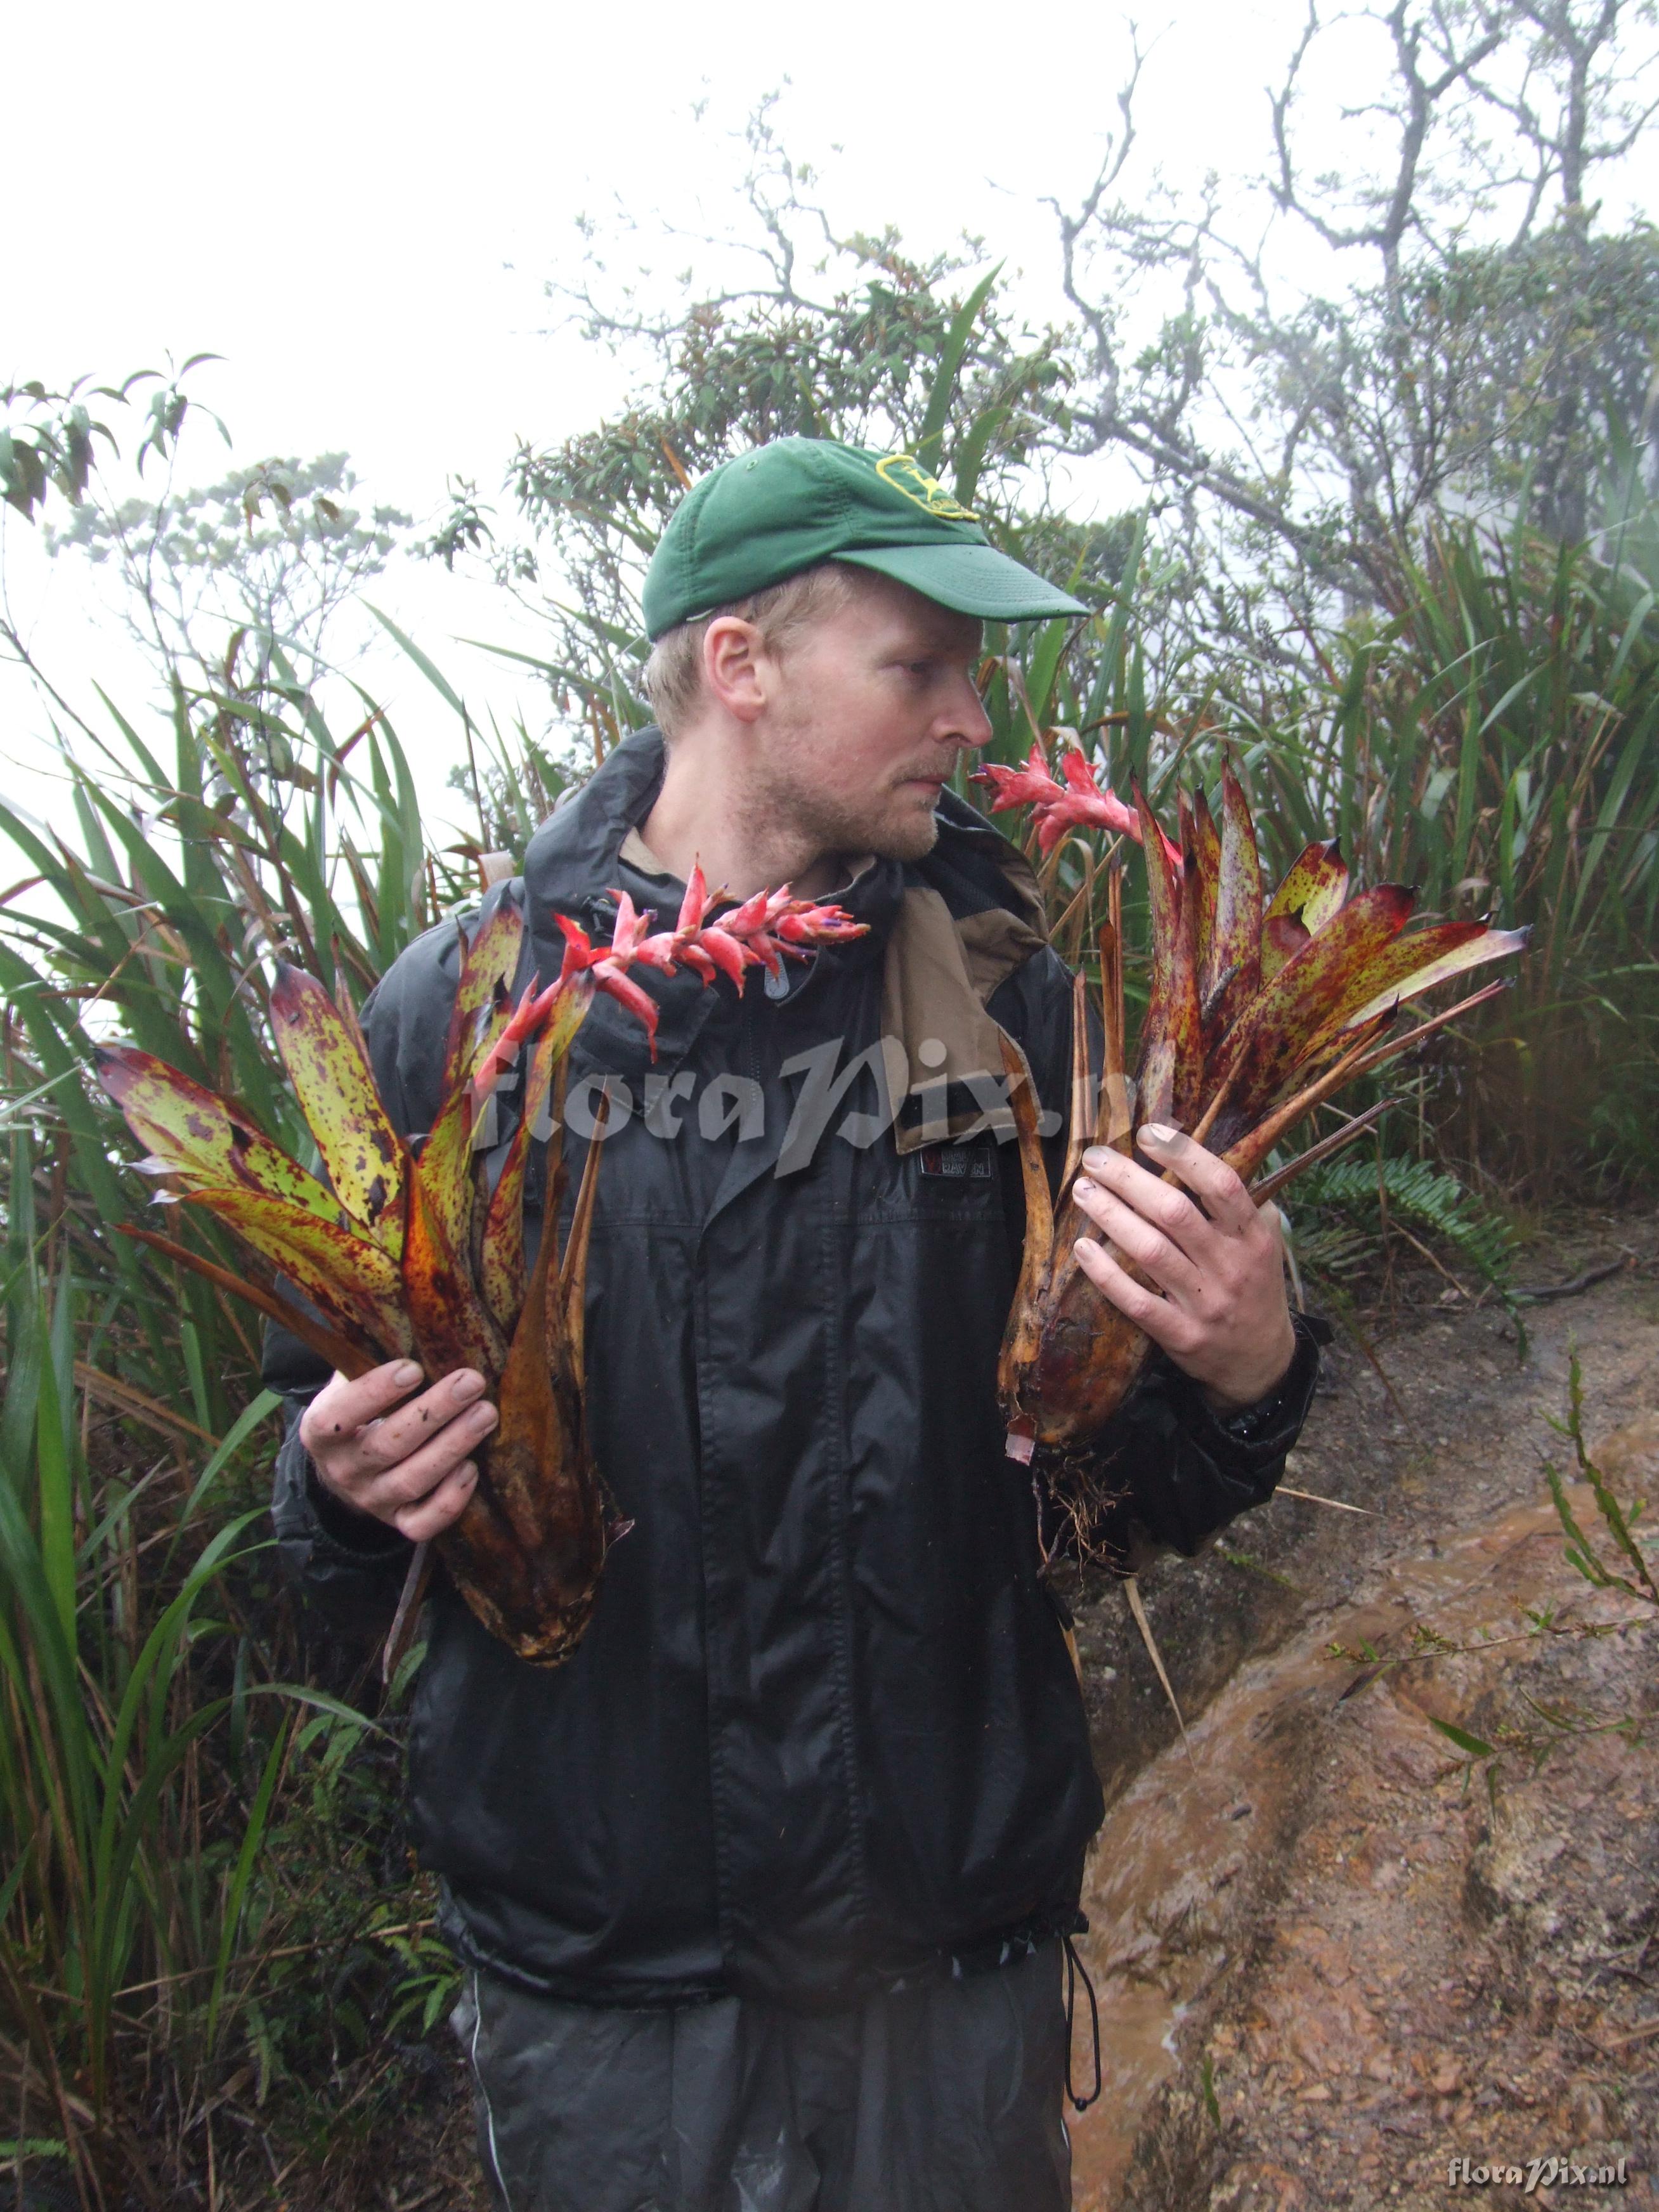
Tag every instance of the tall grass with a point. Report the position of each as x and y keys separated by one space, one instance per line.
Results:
x=1497 y=745
x=151 y=907
x=149 y=1744
x=105 y=1643
x=149 y=1755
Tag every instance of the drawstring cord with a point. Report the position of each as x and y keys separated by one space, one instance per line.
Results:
x=1076 y=1972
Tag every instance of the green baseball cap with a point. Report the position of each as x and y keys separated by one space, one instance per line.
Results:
x=758 y=520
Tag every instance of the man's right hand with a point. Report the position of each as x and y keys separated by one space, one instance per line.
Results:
x=409 y=1464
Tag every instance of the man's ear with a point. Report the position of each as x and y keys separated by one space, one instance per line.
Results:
x=736 y=668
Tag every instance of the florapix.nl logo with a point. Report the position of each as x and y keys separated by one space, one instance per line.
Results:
x=1535 y=2173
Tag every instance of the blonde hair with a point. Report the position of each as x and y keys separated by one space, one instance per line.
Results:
x=672 y=677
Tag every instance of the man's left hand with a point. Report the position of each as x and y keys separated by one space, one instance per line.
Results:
x=1215 y=1270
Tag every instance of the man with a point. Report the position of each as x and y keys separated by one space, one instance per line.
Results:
x=763 y=1895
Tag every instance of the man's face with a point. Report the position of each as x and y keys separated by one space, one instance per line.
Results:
x=868 y=710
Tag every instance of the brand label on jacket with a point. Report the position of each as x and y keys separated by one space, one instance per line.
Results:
x=958 y=1163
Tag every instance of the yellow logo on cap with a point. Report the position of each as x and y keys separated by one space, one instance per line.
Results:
x=907 y=475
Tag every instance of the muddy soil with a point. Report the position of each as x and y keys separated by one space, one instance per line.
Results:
x=1336 y=1953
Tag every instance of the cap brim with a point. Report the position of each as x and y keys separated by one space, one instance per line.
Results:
x=970 y=580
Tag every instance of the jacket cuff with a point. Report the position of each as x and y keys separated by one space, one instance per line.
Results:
x=311 y=1520
x=360 y=1537
x=1251 y=1443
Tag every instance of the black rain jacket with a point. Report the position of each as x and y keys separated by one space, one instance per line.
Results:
x=824 y=1730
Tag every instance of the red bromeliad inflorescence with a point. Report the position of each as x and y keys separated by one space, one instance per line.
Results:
x=1080 y=802
x=752 y=935
x=400 y=1256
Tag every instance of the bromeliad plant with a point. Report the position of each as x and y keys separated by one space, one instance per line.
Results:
x=400 y=1257
x=1260 y=1009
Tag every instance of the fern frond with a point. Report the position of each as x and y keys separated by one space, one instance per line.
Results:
x=1346 y=1197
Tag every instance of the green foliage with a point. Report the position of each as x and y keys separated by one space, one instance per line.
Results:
x=177 y=1848
x=48 y=440
x=1347 y=1202
x=1619 y=1524
x=132 y=1753
x=267 y=834
x=1485 y=380
x=341 y=1963
x=1539 y=355
x=1497 y=744
x=1550 y=1727
x=1472 y=710
x=513 y=782
x=268 y=553
x=846 y=337
x=1475 y=1746
x=1206 y=2083
x=1300 y=425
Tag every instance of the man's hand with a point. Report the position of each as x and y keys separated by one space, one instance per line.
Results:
x=408 y=1467
x=1217 y=1304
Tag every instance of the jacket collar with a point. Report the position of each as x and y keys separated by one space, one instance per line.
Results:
x=572 y=858
x=573 y=867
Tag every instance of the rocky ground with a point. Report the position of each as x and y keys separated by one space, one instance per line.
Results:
x=1336 y=1952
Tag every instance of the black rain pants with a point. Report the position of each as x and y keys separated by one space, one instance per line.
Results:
x=942 y=2096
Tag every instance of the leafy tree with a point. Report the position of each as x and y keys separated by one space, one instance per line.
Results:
x=49 y=443
x=1322 y=430
x=265 y=558
x=1477 y=347
x=232 y=588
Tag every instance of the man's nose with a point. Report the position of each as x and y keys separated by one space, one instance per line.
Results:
x=969 y=726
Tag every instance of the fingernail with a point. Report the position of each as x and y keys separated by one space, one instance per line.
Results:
x=468 y=1384
x=1155 y=1132
x=406 y=1375
x=1095 y=1159
x=482 y=1417
x=1083 y=1186
x=468 y=1474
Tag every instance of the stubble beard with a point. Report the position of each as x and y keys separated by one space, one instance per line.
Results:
x=893 y=825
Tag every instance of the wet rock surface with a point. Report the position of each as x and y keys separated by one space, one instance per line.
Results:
x=1336 y=1951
